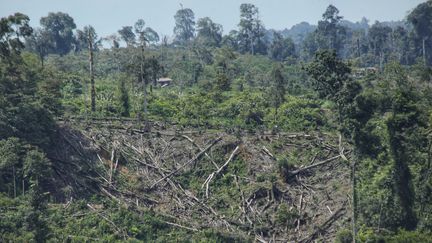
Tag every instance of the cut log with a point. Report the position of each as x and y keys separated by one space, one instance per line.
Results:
x=296 y=172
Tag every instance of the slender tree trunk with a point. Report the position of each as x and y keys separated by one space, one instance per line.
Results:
x=41 y=57
x=354 y=198
x=14 y=181
x=381 y=61
x=424 y=50
x=92 y=82
x=358 y=52
x=251 y=43
x=144 y=82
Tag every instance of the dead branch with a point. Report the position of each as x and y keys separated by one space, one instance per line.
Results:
x=268 y=152
x=210 y=177
x=110 y=195
x=181 y=226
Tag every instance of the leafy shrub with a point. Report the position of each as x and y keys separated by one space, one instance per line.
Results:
x=285 y=215
x=344 y=236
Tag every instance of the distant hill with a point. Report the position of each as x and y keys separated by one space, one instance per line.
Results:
x=363 y=24
x=299 y=31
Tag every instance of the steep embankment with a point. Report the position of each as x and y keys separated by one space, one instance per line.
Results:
x=259 y=186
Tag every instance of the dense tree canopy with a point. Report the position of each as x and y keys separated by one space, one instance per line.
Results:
x=60 y=26
x=184 y=29
x=208 y=32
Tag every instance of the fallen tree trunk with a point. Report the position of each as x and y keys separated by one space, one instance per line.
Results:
x=296 y=172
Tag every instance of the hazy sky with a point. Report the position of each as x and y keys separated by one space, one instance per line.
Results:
x=107 y=16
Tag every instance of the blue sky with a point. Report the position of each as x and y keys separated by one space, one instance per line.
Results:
x=107 y=16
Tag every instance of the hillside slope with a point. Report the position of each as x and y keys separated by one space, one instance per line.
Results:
x=253 y=186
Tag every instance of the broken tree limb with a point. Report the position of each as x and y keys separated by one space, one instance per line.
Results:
x=111 y=165
x=296 y=172
x=210 y=177
x=180 y=226
x=229 y=160
x=187 y=163
x=110 y=195
x=341 y=149
x=268 y=152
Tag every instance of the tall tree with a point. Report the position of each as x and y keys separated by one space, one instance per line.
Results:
x=91 y=40
x=421 y=19
x=88 y=37
x=251 y=30
x=209 y=33
x=330 y=33
x=60 y=26
x=184 y=29
x=127 y=35
x=278 y=87
x=143 y=74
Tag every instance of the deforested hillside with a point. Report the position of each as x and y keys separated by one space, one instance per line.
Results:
x=268 y=186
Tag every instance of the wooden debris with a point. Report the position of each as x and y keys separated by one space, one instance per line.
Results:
x=210 y=177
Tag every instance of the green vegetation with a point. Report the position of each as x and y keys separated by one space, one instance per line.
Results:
x=369 y=88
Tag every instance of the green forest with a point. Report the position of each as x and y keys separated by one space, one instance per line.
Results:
x=318 y=133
